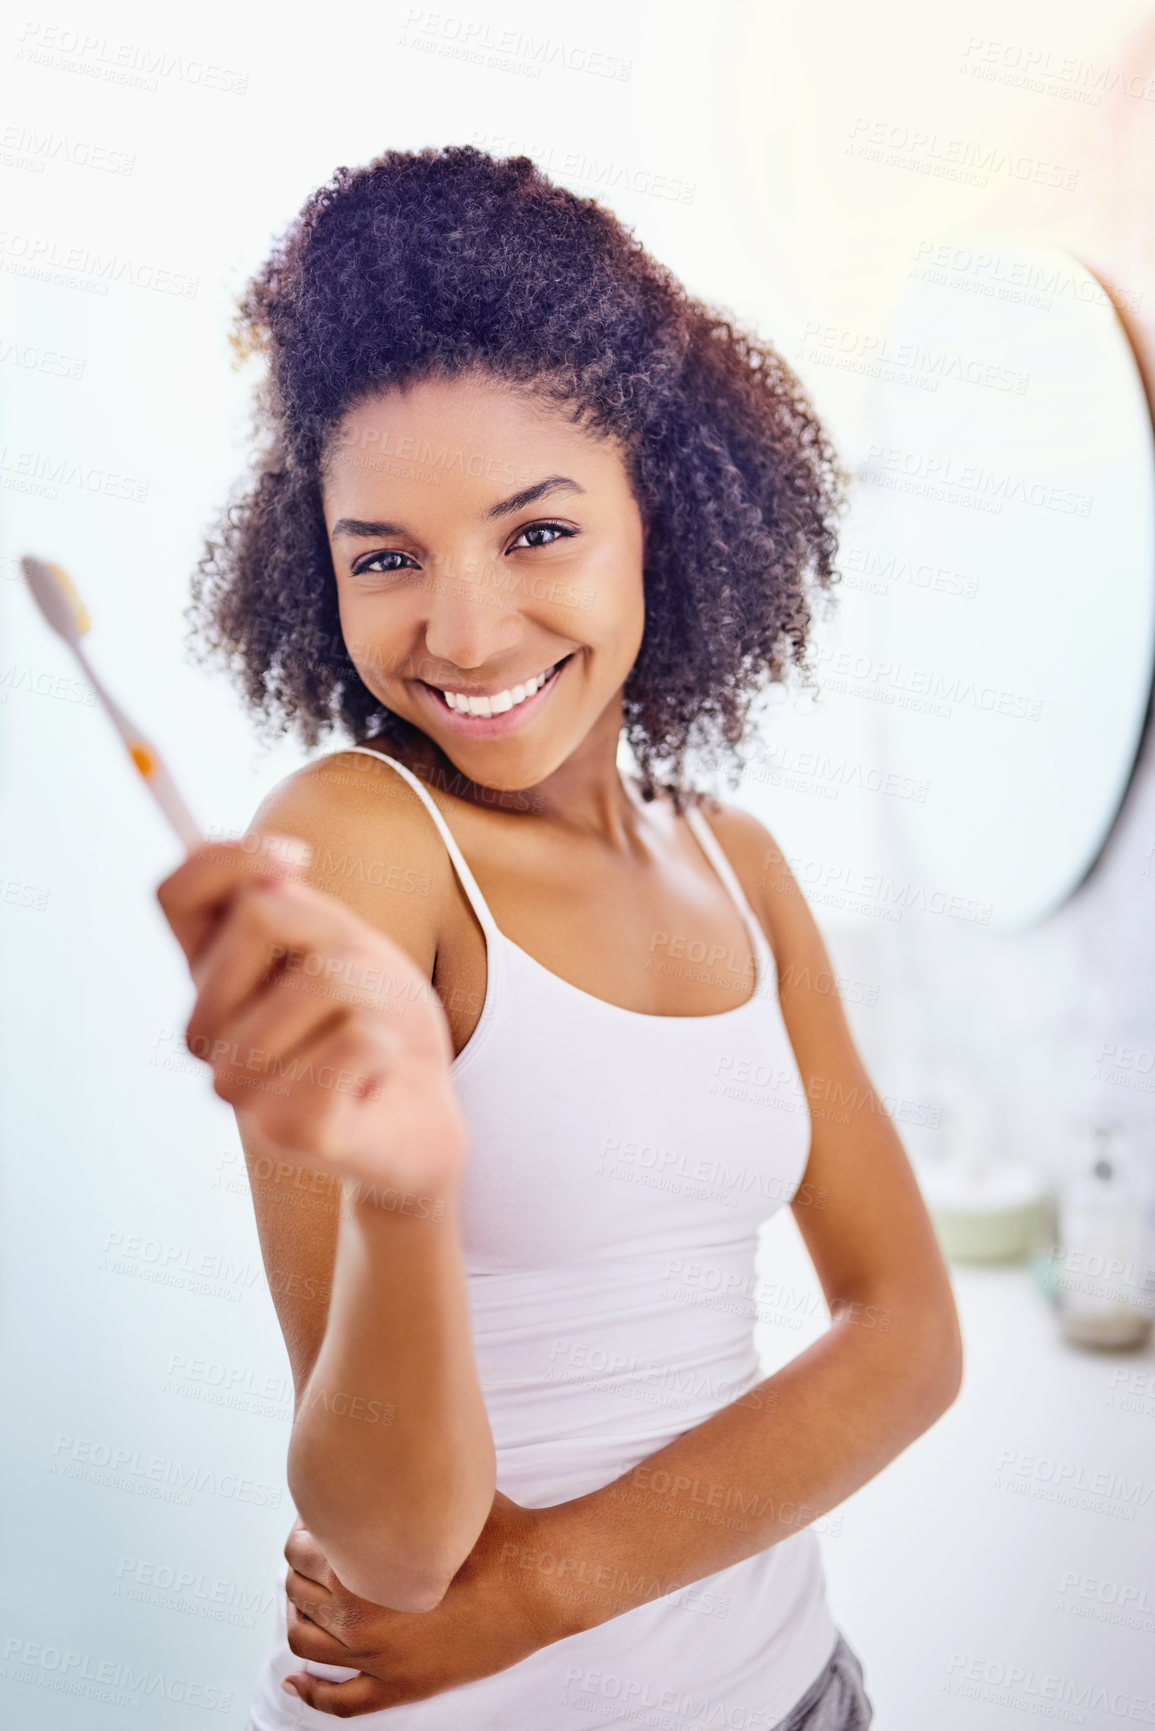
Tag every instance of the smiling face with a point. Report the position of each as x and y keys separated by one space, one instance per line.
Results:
x=488 y=557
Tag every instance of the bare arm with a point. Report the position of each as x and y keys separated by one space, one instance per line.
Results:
x=804 y=1439
x=391 y=1463
x=391 y=1460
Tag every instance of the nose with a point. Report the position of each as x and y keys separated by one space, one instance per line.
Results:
x=469 y=624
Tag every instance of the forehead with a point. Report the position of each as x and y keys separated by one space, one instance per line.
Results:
x=473 y=438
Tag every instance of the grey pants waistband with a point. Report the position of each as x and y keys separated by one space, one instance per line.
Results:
x=836 y=1700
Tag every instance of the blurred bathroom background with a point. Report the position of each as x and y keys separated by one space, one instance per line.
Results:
x=944 y=218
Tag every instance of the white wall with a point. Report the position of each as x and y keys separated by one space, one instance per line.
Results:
x=132 y=1281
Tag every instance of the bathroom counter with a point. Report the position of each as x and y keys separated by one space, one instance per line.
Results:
x=1005 y=1562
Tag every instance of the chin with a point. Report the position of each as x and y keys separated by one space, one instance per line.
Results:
x=506 y=772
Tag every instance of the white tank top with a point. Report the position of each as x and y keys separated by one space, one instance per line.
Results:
x=619 y=1167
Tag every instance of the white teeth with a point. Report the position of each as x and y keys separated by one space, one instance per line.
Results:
x=499 y=702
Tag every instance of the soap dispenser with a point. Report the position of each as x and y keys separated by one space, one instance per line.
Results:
x=1104 y=1292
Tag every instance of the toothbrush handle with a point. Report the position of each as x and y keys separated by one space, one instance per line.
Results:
x=164 y=790
x=149 y=763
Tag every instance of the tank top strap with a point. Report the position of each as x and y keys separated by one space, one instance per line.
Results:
x=713 y=849
x=468 y=881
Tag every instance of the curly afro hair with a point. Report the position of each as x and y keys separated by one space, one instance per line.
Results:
x=441 y=261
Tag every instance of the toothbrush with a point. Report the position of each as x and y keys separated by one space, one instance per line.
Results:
x=65 y=612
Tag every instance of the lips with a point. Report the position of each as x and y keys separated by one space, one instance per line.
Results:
x=496 y=702
x=501 y=721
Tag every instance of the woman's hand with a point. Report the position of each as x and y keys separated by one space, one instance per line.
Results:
x=320 y=1032
x=495 y=1613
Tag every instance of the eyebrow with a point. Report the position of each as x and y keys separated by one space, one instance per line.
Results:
x=515 y=502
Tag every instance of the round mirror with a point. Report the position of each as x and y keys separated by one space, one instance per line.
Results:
x=995 y=657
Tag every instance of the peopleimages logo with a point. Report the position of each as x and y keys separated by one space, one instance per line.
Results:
x=113 y=1681
x=191 y=1592
x=1007 y=1684
x=137 y=64
x=135 y=1470
x=33 y=255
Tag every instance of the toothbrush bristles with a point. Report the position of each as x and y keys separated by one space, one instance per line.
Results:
x=57 y=597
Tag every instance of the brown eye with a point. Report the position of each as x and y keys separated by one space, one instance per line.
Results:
x=537 y=529
x=373 y=564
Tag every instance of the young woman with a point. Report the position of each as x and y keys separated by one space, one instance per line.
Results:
x=527 y=1047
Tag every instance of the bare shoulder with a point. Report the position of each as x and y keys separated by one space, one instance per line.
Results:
x=375 y=846
x=771 y=887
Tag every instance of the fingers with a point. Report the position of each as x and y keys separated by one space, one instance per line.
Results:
x=254 y=1019
x=319 y=1638
x=320 y=1031
x=313 y=1104
x=305 y=1556
x=363 y=1694
x=309 y=1640
x=233 y=965
x=277 y=1026
x=193 y=896
x=314 y=1601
